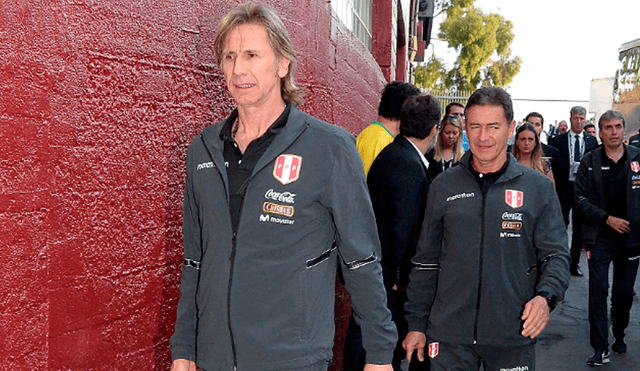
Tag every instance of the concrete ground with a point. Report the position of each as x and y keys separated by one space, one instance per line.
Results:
x=564 y=345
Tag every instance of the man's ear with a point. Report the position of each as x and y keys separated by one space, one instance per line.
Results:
x=283 y=67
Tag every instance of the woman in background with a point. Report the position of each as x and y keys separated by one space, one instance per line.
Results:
x=448 y=149
x=527 y=150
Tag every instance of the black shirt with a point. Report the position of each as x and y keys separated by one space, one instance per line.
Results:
x=614 y=185
x=485 y=181
x=240 y=166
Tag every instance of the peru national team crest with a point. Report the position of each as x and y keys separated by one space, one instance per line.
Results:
x=513 y=198
x=287 y=168
x=433 y=349
x=635 y=167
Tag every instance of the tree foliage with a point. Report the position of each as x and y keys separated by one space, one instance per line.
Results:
x=483 y=44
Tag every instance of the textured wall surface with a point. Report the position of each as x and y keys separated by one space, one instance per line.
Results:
x=98 y=101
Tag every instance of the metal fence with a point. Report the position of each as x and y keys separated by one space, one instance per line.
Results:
x=445 y=97
x=553 y=110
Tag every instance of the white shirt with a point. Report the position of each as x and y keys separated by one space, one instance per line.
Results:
x=572 y=142
x=424 y=159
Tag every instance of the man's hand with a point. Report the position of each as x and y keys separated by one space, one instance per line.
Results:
x=371 y=367
x=415 y=340
x=183 y=365
x=535 y=317
x=618 y=225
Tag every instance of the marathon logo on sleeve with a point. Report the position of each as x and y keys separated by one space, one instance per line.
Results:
x=204 y=165
x=460 y=196
x=287 y=168
x=513 y=198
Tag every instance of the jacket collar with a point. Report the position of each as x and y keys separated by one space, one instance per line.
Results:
x=514 y=168
x=297 y=122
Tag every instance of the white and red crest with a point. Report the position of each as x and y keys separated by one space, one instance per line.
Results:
x=513 y=198
x=635 y=167
x=433 y=349
x=287 y=168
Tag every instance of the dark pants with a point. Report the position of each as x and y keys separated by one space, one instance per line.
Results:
x=600 y=256
x=318 y=366
x=454 y=357
x=576 y=220
x=353 y=358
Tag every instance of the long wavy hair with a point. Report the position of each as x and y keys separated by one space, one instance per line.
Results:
x=458 y=150
x=254 y=12
x=537 y=161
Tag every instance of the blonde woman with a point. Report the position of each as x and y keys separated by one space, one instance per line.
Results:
x=528 y=151
x=448 y=149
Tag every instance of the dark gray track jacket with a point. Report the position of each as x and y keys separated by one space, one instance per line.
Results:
x=264 y=299
x=589 y=197
x=480 y=260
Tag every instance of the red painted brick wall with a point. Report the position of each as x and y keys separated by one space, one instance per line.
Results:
x=98 y=101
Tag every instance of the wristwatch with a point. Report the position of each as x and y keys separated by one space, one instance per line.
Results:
x=552 y=301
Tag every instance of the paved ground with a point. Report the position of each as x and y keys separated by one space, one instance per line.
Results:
x=564 y=345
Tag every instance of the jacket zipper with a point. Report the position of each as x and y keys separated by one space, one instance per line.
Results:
x=232 y=259
x=480 y=268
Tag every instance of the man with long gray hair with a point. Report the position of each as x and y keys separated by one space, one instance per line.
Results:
x=273 y=197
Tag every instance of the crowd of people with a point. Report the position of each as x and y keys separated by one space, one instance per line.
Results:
x=453 y=259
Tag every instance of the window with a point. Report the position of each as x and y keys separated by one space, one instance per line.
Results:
x=356 y=15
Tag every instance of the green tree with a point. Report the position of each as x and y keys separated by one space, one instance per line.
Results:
x=483 y=44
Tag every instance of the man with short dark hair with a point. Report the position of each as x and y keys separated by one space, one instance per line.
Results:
x=272 y=197
x=398 y=184
x=381 y=132
x=608 y=194
x=550 y=153
x=572 y=145
x=492 y=260
x=590 y=129
x=457 y=109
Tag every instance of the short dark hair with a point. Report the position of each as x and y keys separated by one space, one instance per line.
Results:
x=419 y=115
x=534 y=114
x=492 y=96
x=610 y=115
x=393 y=96
x=447 y=109
x=589 y=125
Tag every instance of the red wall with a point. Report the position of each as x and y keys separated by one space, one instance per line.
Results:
x=98 y=101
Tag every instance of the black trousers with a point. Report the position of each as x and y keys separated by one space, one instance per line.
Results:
x=600 y=257
x=456 y=357
x=576 y=221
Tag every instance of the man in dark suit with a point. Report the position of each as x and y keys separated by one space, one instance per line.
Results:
x=571 y=146
x=635 y=140
x=398 y=184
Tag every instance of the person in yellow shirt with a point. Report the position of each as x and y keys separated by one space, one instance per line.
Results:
x=382 y=131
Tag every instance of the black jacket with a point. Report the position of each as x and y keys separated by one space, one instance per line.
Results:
x=590 y=200
x=635 y=140
x=398 y=184
x=480 y=259
x=561 y=176
x=263 y=298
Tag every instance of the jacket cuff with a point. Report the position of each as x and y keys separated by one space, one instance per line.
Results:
x=183 y=353
x=379 y=358
x=417 y=326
